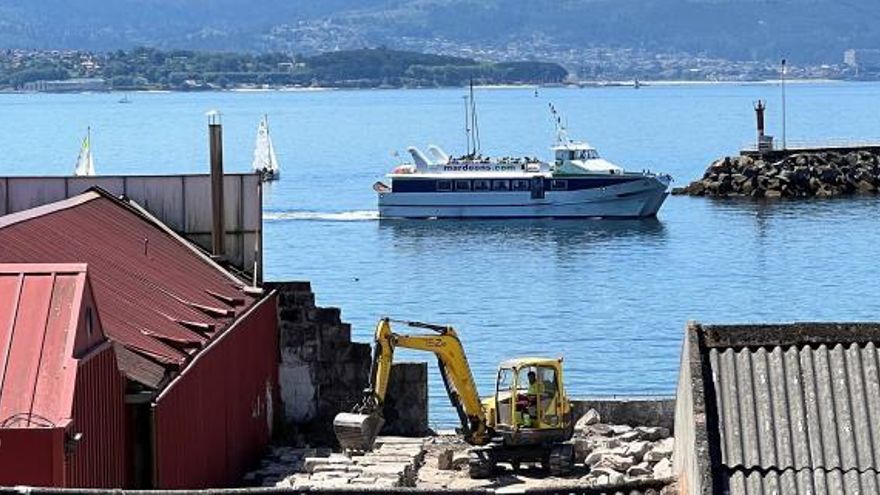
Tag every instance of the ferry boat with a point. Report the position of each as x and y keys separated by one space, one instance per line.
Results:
x=578 y=183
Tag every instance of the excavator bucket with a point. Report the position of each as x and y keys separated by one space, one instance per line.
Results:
x=357 y=432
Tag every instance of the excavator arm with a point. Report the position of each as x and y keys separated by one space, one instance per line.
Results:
x=358 y=430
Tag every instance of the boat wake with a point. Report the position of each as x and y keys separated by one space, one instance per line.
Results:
x=317 y=216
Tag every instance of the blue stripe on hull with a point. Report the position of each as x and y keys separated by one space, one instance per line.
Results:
x=401 y=185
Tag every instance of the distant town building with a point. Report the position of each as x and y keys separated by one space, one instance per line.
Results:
x=868 y=59
x=68 y=85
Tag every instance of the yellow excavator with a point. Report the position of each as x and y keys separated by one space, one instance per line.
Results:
x=527 y=419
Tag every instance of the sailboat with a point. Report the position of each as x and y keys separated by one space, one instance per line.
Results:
x=265 y=161
x=85 y=164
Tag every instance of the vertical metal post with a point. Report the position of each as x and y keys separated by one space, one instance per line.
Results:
x=784 y=142
x=218 y=229
x=759 y=113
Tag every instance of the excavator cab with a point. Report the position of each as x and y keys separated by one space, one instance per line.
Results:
x=529 y=395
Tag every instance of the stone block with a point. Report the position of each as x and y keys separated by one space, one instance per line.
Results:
x=652 y=433
x=291 y=337
x=591 y=417
x=660 y=450
x=304 y=299
x=593 y=458
x=364 y=481
x=615 y=462
x=582 y=448
x=310 y=463
x=600 y=429
x=600 y=471
x=328 y=316
x=406 y=403
x=638 y=449
x=663 y=469
x=630 y=436
x=291 y=316
x=444 y=460
x=640 y=470
x=620 y=429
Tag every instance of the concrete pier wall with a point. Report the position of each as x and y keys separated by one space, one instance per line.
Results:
x=632 y=410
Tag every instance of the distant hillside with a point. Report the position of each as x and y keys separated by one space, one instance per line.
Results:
x=149 y=68
x=804 y=30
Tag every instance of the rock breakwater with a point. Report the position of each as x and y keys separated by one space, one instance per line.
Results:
x=801 y=175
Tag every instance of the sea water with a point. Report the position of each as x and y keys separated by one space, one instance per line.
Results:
x=611 y=297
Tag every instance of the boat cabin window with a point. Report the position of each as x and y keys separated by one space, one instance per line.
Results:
x=462 y=185
x=583 y=155
x=559 y=185
x=501 y=185
x=520 y=185
x=444 y=185
x=482 y=185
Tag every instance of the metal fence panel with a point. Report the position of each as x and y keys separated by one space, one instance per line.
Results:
x=183 y=202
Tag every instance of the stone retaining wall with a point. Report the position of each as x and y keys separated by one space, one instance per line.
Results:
x=323 y=372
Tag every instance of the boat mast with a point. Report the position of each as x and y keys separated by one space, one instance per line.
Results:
x=474 y=124
x=268 y=142
x=467 y=126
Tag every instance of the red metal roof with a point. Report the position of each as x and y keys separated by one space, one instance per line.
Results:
x=40 y=308
x=159 y=295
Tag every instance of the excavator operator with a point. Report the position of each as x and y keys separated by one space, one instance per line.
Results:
x=527 y=404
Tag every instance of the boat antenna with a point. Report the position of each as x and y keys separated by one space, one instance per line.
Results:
x=561 y=132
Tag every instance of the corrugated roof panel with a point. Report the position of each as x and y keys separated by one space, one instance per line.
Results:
x=801 y=407
x=10 y=287
x=39 y=314
x=26 y=347
x=805 y=481
x=54 y=388
x=145 y=279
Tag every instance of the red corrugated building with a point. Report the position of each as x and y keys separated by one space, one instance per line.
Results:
x=197 y=345
x=61 y=393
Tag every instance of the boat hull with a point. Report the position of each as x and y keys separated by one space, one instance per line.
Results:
x=639 y=198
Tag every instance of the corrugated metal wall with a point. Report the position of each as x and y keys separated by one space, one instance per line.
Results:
x=32 y=456
x=215 y=420
x=183 y=202
x=98 y=461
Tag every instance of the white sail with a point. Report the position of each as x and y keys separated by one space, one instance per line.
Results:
x=265 y=161
x=85 y=164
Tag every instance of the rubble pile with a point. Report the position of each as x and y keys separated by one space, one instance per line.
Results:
x=800 y=175
x=617 y=454
x=394 y=462
x=606 y=455
x=279 y=463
